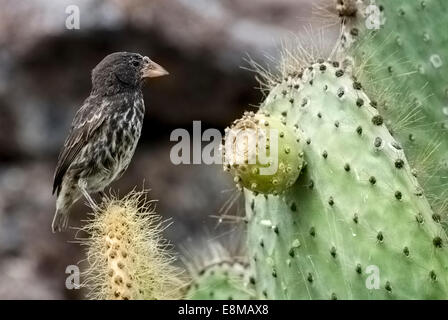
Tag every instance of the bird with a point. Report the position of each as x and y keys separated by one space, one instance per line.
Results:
x=104 y=132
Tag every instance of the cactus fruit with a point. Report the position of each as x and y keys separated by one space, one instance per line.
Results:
x=401 y=51
x=356 y=207
x=262 y=153
x=126 y=257
x=227 y=280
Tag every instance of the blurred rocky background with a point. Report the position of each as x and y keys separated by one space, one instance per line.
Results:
x=45 y=75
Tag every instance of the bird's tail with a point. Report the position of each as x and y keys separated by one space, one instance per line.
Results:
x=60 y=221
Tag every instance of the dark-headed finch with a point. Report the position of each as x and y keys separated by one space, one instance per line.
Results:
x=104 y=132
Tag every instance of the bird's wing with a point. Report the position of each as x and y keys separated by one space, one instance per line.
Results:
x=87 y=120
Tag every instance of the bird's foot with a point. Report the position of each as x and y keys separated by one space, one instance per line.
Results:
x=83 y=187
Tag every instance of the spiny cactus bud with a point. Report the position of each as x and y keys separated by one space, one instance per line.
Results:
x=262 y=153
x=127 y=258
x=218 y=272
x=226 y=280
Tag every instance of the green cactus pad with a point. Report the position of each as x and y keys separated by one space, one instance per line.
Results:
x=283 y=159
x=356 y=224
x=403 y=60
x=222 y=281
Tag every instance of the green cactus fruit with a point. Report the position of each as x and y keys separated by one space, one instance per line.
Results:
x=401 y=49
x=228 y=280
x=356 y=224
x=262 y=153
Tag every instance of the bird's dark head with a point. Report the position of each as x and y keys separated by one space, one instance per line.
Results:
x=124 y=70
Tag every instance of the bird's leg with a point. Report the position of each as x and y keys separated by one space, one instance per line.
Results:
x=102 y=195
x=82 y=184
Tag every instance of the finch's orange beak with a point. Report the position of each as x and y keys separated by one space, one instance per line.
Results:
x=152 y=69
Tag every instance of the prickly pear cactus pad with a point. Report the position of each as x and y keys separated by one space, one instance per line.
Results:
x=228 y=280
x=262 y=153
x=356 y=224
x=401 y=48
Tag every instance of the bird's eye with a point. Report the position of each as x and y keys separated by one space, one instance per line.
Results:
x=136 y=63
